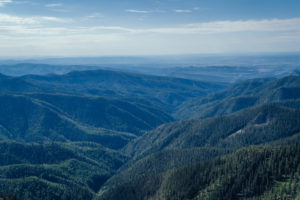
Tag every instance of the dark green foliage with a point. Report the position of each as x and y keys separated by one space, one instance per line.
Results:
x=160 y=162
x=161 y=152
x=31 y=120
x=96 y=112
x=249 y=172
x=246 y=173
x=6 y=196
x=80 y=117
x=35 y=189
x=56 y=171
x=254 y=126
x=16 y=153
x=146 y=174
x=107 y=113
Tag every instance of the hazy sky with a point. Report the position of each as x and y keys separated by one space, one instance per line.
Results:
x=147 y=27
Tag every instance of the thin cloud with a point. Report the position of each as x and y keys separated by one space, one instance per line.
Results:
x=94 y=15
x=61 y=10
x=215 y=36
x=11 y=19
x=3 y=2
x=52 y=19
x=4 y=18
x=267 y=25
x=183 y=11
x=216 y=27
x=53 y=5
x=138 y=11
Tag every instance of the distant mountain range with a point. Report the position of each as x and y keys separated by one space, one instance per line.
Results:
x=191 y=59
x=229 y=69
x=165 y=92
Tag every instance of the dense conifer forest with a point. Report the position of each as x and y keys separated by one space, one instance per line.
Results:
x=111 y=135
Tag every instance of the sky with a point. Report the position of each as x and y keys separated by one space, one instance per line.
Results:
x=67 y=28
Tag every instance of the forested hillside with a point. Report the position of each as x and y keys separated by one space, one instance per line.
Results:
x=56 y=170
x=165 y=92
x=28 y=120
x=251 y=173
x=241 y=96
x=112 y=135
x=253 y=126
x=182 y=147
x=150 y=100
x=109 y=113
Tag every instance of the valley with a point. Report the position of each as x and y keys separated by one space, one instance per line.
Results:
x=104 y=134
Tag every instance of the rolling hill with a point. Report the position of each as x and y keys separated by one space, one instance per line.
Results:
x=251 y=127
x=28 y=120
x=165 y=92
x=243 y=95
x=43 y=117
x=109 y=113
x=56 y=170
x=16 y=85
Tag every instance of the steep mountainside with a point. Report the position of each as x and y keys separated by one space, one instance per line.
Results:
x=251 y=173
x=159 y=163
x=107 y=135
x=70 y=118
x=29 y=120
x=244 y=95
x=182 y=147
x=253 y=126
x=107 y=113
